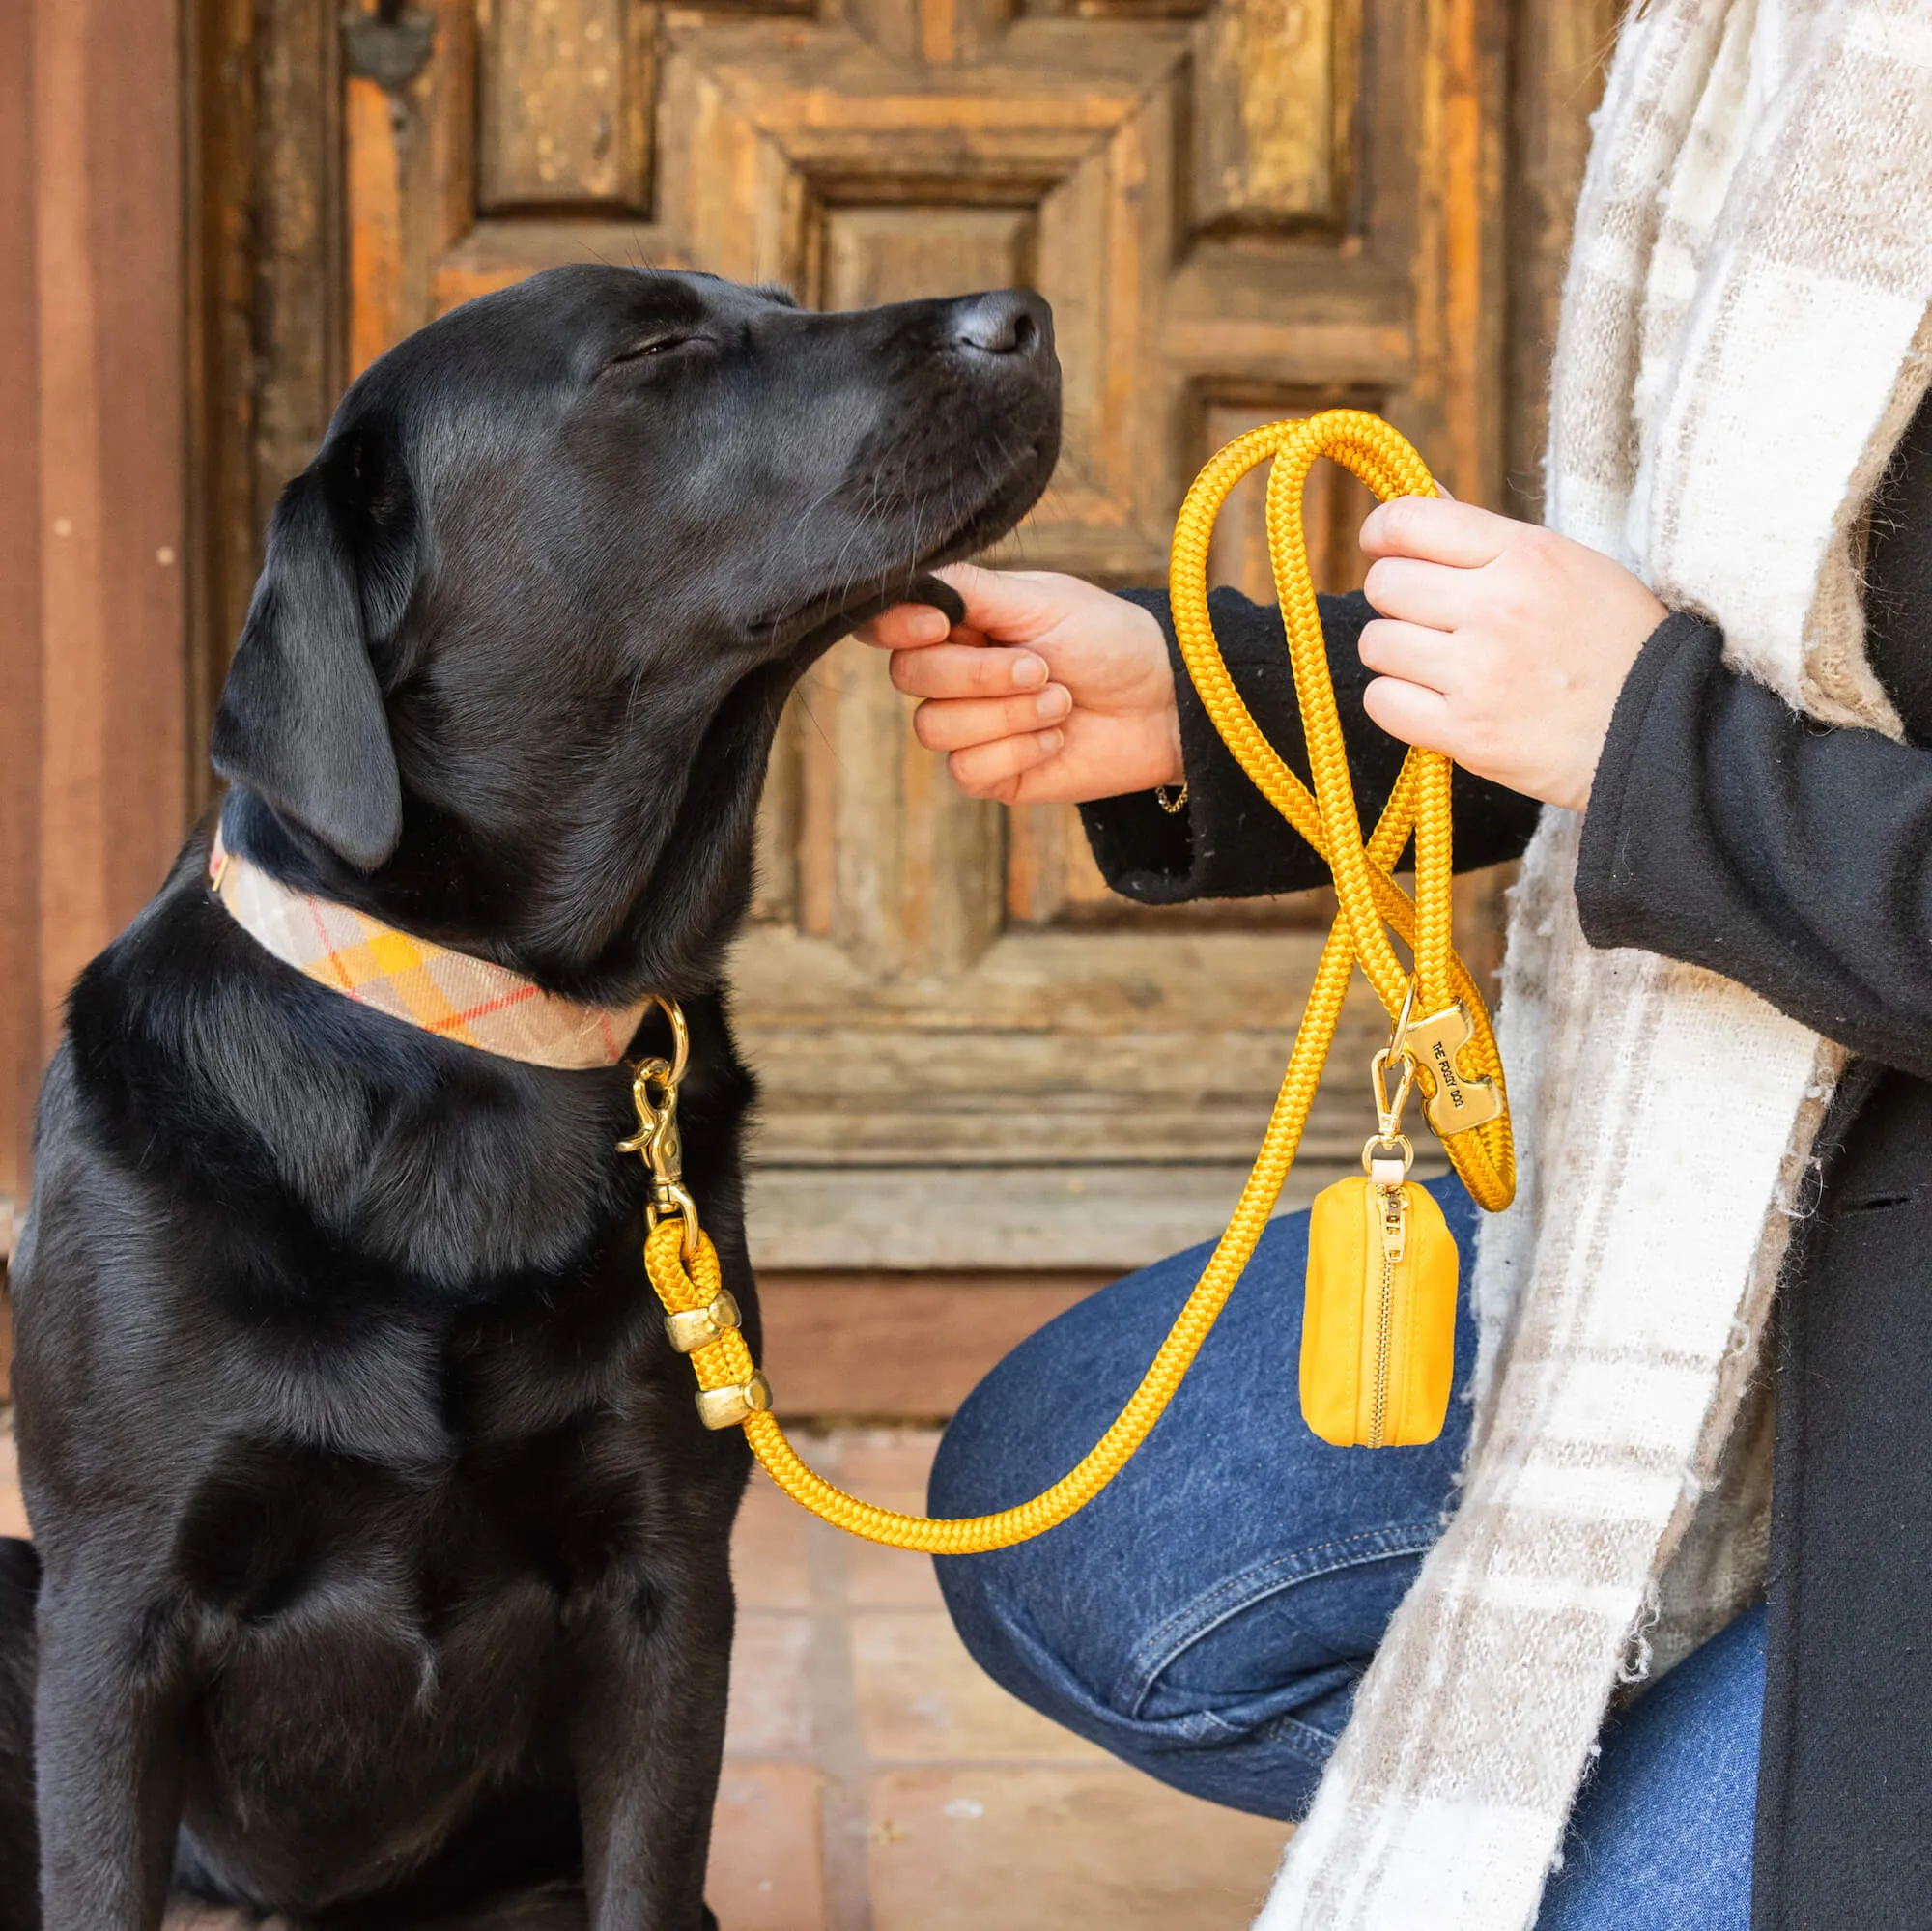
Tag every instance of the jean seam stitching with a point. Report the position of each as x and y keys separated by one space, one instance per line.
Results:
x=1238 y=1585
x=1312 y=1744
x=1157 y=1651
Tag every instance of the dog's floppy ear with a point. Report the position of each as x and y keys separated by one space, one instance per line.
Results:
x=302 y=721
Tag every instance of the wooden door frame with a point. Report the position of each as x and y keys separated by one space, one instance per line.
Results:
x=93 y=545
x=264 y=262
x=1559 y=50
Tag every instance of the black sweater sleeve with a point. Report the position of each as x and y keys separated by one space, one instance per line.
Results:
x=1727 y=829
x=1228 y=841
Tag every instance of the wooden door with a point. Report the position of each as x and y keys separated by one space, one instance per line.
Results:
x=94 y=759
x=972 y=1057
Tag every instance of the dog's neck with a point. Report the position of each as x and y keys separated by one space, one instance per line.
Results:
x=468 y=1000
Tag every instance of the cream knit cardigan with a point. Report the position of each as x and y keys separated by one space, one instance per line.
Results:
x=1743 y=342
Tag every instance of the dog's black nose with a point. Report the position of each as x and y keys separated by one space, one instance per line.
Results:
x=1007 y=322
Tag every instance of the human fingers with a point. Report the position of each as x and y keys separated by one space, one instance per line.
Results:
x=967 y=721
x=997 y=770
x=1439 y=531
x=1420 y=593
x=1411 y=713
x=1013 y=606
x=905 y=627
x=966 y=670
x=1010 y=606
x=1414 y=653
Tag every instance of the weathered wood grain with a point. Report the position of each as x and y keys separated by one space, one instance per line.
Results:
x=934 y=32
x=378 y=314
x=899 y=1346
x=566 y=104
x=1272 y=104
x=897 y=864
x=296 y=210
x=898 y=253
x=92 y=654
x=1060 y=1045
x=22 y=532
x=1559 y=55
x=264 y=352
x=1110 y=1216
x=497 y=253
x=410 y=187
x=218 y=553
x=775 y=877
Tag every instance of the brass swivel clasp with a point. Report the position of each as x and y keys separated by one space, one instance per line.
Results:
x=1388 y=1152
x=658 y=1141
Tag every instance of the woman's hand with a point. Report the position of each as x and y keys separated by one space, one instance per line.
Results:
x=1050 y=690
x=1503 y=645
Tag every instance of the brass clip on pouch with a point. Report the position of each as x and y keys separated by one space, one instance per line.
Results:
x=1378 y=1328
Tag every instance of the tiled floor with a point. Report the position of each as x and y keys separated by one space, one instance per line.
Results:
x=875 y=1781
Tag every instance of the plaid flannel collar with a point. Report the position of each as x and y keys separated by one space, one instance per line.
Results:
x=450 y=994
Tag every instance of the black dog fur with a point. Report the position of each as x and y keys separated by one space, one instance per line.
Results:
x=385 y=1574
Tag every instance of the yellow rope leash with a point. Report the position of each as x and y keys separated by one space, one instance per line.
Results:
x=1453 y=1049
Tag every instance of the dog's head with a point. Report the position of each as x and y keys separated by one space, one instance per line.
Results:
x=514 y=664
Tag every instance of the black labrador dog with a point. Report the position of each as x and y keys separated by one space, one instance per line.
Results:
x=381 y=1574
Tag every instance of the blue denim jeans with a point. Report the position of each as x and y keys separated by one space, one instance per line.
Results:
x=1208 y=1616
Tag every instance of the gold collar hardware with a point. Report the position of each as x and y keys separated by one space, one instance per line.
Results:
x=658 y=1141
x=697 y=1327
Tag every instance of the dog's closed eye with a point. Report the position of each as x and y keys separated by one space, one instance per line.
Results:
x=649 y=345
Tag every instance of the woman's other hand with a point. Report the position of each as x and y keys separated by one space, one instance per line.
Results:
x=1496 y=642
x=1050 y=691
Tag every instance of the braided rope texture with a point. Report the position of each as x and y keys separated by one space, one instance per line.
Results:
x=1370 y=902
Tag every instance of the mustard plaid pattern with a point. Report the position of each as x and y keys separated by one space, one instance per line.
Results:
x=456 y=997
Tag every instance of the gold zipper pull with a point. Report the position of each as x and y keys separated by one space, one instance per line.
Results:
x=1395 y=1222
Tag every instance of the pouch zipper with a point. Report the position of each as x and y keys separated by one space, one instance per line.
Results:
x=1393 y=1220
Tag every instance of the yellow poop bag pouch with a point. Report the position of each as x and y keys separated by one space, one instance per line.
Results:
x=1378 y=1328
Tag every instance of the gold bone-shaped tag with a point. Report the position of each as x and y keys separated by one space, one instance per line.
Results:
x=1459 y=1102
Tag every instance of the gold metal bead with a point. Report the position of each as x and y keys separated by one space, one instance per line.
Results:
x=726 y=1408
x=698 y=1327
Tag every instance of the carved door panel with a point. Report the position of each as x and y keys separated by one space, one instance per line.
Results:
x=971 y=1056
